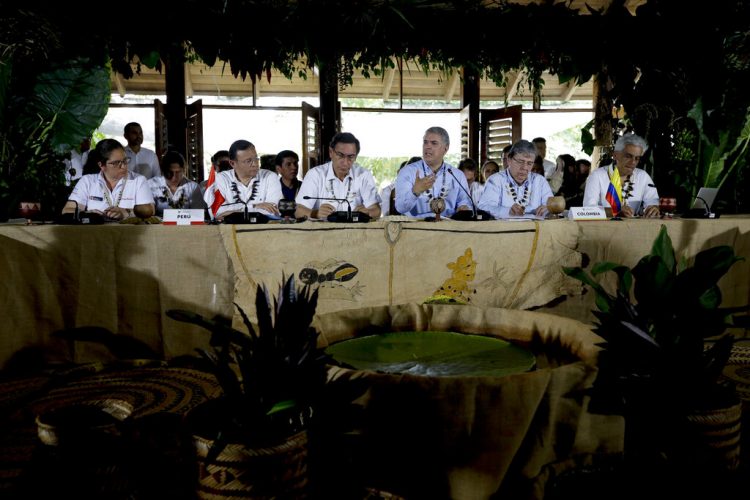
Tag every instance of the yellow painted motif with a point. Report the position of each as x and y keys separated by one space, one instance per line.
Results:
x=462 y=273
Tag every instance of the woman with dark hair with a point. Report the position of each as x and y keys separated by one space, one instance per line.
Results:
x=172 y=189
x=563 y=179
x=113 y=191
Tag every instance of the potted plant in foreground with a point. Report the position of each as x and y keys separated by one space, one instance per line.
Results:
x=656 y=367
x=253 y=438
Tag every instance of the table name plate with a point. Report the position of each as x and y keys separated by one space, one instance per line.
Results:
x=587 y=213
x=183 y=217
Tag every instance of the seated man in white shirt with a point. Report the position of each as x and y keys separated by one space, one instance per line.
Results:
x=114 y=192
x=423 y=184
x=246 y=187
x=516 y=191
x=637 y=188
x=339 y=179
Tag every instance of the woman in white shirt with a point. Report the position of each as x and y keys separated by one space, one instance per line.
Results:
x=113 y=191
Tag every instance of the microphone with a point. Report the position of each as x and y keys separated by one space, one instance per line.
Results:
x=347 y=216
x=246 y=217
x=475 y=214
x=340 y=200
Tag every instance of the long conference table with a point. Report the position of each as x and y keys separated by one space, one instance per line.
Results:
x=124 y=277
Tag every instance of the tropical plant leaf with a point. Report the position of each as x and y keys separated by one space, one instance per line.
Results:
x=219 y=327
x=624 y=275
x=604 y=300
x=282 y=405
x=662 y=247
x=587 y=138
x=75 y=96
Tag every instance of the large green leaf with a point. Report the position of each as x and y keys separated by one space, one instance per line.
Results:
x=663 y=248
x=624 y=275
x=433 y=353
x=75 y=96
x=604 y=300
x=654 y=282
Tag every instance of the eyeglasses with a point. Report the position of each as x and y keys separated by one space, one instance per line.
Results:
x=250 y=161
x=522 y=163
x=341 y=156
x=119 y=163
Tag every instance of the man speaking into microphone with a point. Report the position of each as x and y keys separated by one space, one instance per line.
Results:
x=420 y=183
x=340 y=179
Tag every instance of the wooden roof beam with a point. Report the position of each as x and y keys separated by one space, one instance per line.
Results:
x=452 y=87
x=388 y=83
x=567 y=93
x=119 y=83
x=188 y=81
x=512 y=86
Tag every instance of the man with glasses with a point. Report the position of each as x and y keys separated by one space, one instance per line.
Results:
x=431 y=179
x=626 y=189
x=113 y=192
x=246 y=186
x=142 y=160
x=517 y=191
x=339 y=179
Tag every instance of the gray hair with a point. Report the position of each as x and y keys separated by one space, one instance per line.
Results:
x=632 y=139
x=522 y=147
x=441 y=132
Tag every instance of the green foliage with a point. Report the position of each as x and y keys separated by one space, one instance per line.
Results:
x=720 y=152
x=271 y=375
x=656 y=322
x=46 y=107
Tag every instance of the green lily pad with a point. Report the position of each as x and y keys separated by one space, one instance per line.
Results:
x=433 y=354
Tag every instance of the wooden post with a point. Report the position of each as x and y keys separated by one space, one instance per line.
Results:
x=174 y=77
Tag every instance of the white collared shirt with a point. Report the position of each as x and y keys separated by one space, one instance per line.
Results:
x=74 y=166
x=358 y=187
x=450 y=184
x=91 y=192
x=237 y=195
x=643 y=192
x=498 y=198
x=144 y=162
x=187 y=194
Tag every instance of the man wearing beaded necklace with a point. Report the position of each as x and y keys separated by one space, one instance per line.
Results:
x=114 y=192
x=172 y=189
x=420 y=182
x=246 y=186
x=637 y=186
x=516 y=191
x=341 y=178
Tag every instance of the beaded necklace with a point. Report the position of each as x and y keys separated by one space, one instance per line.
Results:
x=171 y=202
x=333 y=193
x=253 y=192
x=514 y=194
x=443 y=189
x=627 y=188
x=119 y=196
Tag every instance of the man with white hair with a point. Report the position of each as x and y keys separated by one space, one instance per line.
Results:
x=620 y=185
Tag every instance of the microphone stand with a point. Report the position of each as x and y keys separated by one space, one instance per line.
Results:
x=257 y=218
x=474 y=212
x=349 y=217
